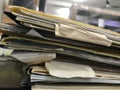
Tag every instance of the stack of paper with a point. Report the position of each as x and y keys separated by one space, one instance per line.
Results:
x=61 y=50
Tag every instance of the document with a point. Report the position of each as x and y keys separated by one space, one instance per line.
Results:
x=69 y=70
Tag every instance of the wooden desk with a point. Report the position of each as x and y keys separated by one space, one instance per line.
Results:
x=6 y=19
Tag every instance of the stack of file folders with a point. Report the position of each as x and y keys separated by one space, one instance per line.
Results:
x=61 y=51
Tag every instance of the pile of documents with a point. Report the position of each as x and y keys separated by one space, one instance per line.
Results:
x=61 y=51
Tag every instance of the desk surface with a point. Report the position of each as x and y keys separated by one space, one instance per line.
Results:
x=6 y=19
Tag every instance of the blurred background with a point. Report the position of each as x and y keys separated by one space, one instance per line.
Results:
x=102 y=13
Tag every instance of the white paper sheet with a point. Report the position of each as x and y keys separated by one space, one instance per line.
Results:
x=68 y=70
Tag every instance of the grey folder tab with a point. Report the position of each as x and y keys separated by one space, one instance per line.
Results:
x=33 y=58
